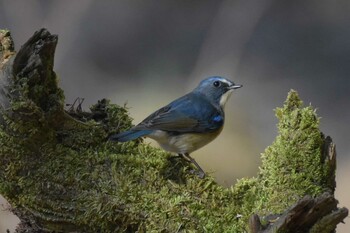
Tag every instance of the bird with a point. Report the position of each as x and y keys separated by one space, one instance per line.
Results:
x=187 y=123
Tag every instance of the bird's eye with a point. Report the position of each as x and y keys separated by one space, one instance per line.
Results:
x=216 y=83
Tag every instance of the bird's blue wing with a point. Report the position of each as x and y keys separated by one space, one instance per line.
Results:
x=190 y=113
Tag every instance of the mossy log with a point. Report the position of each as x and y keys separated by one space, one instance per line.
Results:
x=61 y=174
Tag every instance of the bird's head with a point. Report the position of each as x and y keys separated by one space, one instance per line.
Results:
x=216 y=89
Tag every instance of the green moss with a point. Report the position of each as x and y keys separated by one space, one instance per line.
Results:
x=68 y=176
x=292 y=166
x=6 y=43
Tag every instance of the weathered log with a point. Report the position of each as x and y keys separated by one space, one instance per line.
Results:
x=318 y=214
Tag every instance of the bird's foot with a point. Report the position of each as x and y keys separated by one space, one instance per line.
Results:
x=173 y=157
x=198 y=173
x=187 y=158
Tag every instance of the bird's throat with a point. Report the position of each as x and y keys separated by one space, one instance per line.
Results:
x=225 y=97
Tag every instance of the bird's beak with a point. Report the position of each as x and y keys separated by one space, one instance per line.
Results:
x=235 y=86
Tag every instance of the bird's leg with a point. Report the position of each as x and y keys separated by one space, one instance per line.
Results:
x=200 y=173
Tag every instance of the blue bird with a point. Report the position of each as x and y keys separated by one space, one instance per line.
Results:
x=189 y=122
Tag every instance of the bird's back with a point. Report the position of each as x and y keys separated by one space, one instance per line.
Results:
x=192 y=113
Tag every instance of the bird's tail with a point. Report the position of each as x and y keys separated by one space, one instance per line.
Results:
x=129 y=135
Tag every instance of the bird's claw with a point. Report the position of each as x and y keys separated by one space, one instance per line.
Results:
x=200 y=174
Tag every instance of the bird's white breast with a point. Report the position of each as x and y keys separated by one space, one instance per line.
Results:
x=183 y=143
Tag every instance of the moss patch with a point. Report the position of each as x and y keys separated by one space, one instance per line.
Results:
x=66 y=176
x=292 y=166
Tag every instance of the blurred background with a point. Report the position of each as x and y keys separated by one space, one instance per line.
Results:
x=147 y=53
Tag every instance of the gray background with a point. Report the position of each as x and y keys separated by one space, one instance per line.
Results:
x=147 y=53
